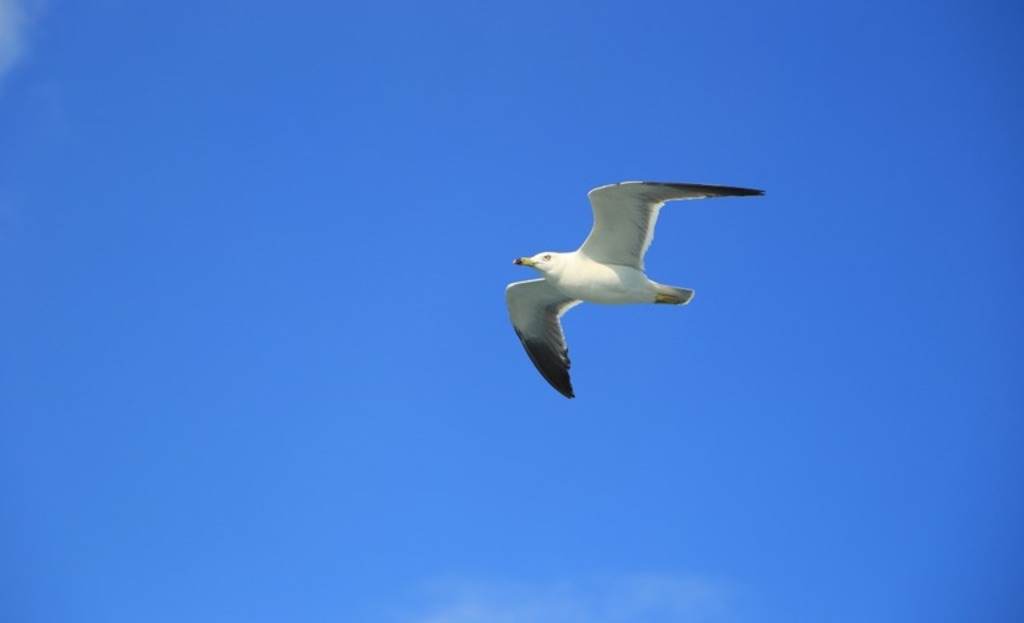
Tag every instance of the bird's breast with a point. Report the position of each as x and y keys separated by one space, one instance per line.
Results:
x=604 y=283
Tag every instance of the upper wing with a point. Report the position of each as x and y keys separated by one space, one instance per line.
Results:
x=535 y=307
x=625 y=214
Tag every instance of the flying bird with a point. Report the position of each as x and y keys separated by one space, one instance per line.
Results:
x=607 y=269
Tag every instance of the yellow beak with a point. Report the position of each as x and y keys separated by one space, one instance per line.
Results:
x=523 y=261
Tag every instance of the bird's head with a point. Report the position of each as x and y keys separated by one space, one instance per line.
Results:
x=542 y=262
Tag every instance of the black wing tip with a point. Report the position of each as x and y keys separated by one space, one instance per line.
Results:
x=713 y=190
x=746 y=192
x=551 y=364
x=564 y=389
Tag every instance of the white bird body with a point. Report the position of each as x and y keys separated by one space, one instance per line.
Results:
x=608 y=268
x=578 y=277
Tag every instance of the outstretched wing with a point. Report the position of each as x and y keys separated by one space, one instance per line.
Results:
x=535 y=308
x=625 y=214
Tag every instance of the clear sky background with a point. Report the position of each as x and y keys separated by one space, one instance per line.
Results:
x=255 y=362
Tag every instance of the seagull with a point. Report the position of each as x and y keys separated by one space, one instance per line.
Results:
x=608 y=269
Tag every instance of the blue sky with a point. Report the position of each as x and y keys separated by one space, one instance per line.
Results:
x=255 y=363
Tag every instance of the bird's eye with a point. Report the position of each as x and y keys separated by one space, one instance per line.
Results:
x=547 y=257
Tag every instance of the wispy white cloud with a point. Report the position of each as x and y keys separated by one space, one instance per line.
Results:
x=633 y=599
x=13 y=22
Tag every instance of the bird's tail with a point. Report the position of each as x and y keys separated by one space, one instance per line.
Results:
x=672 y=296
